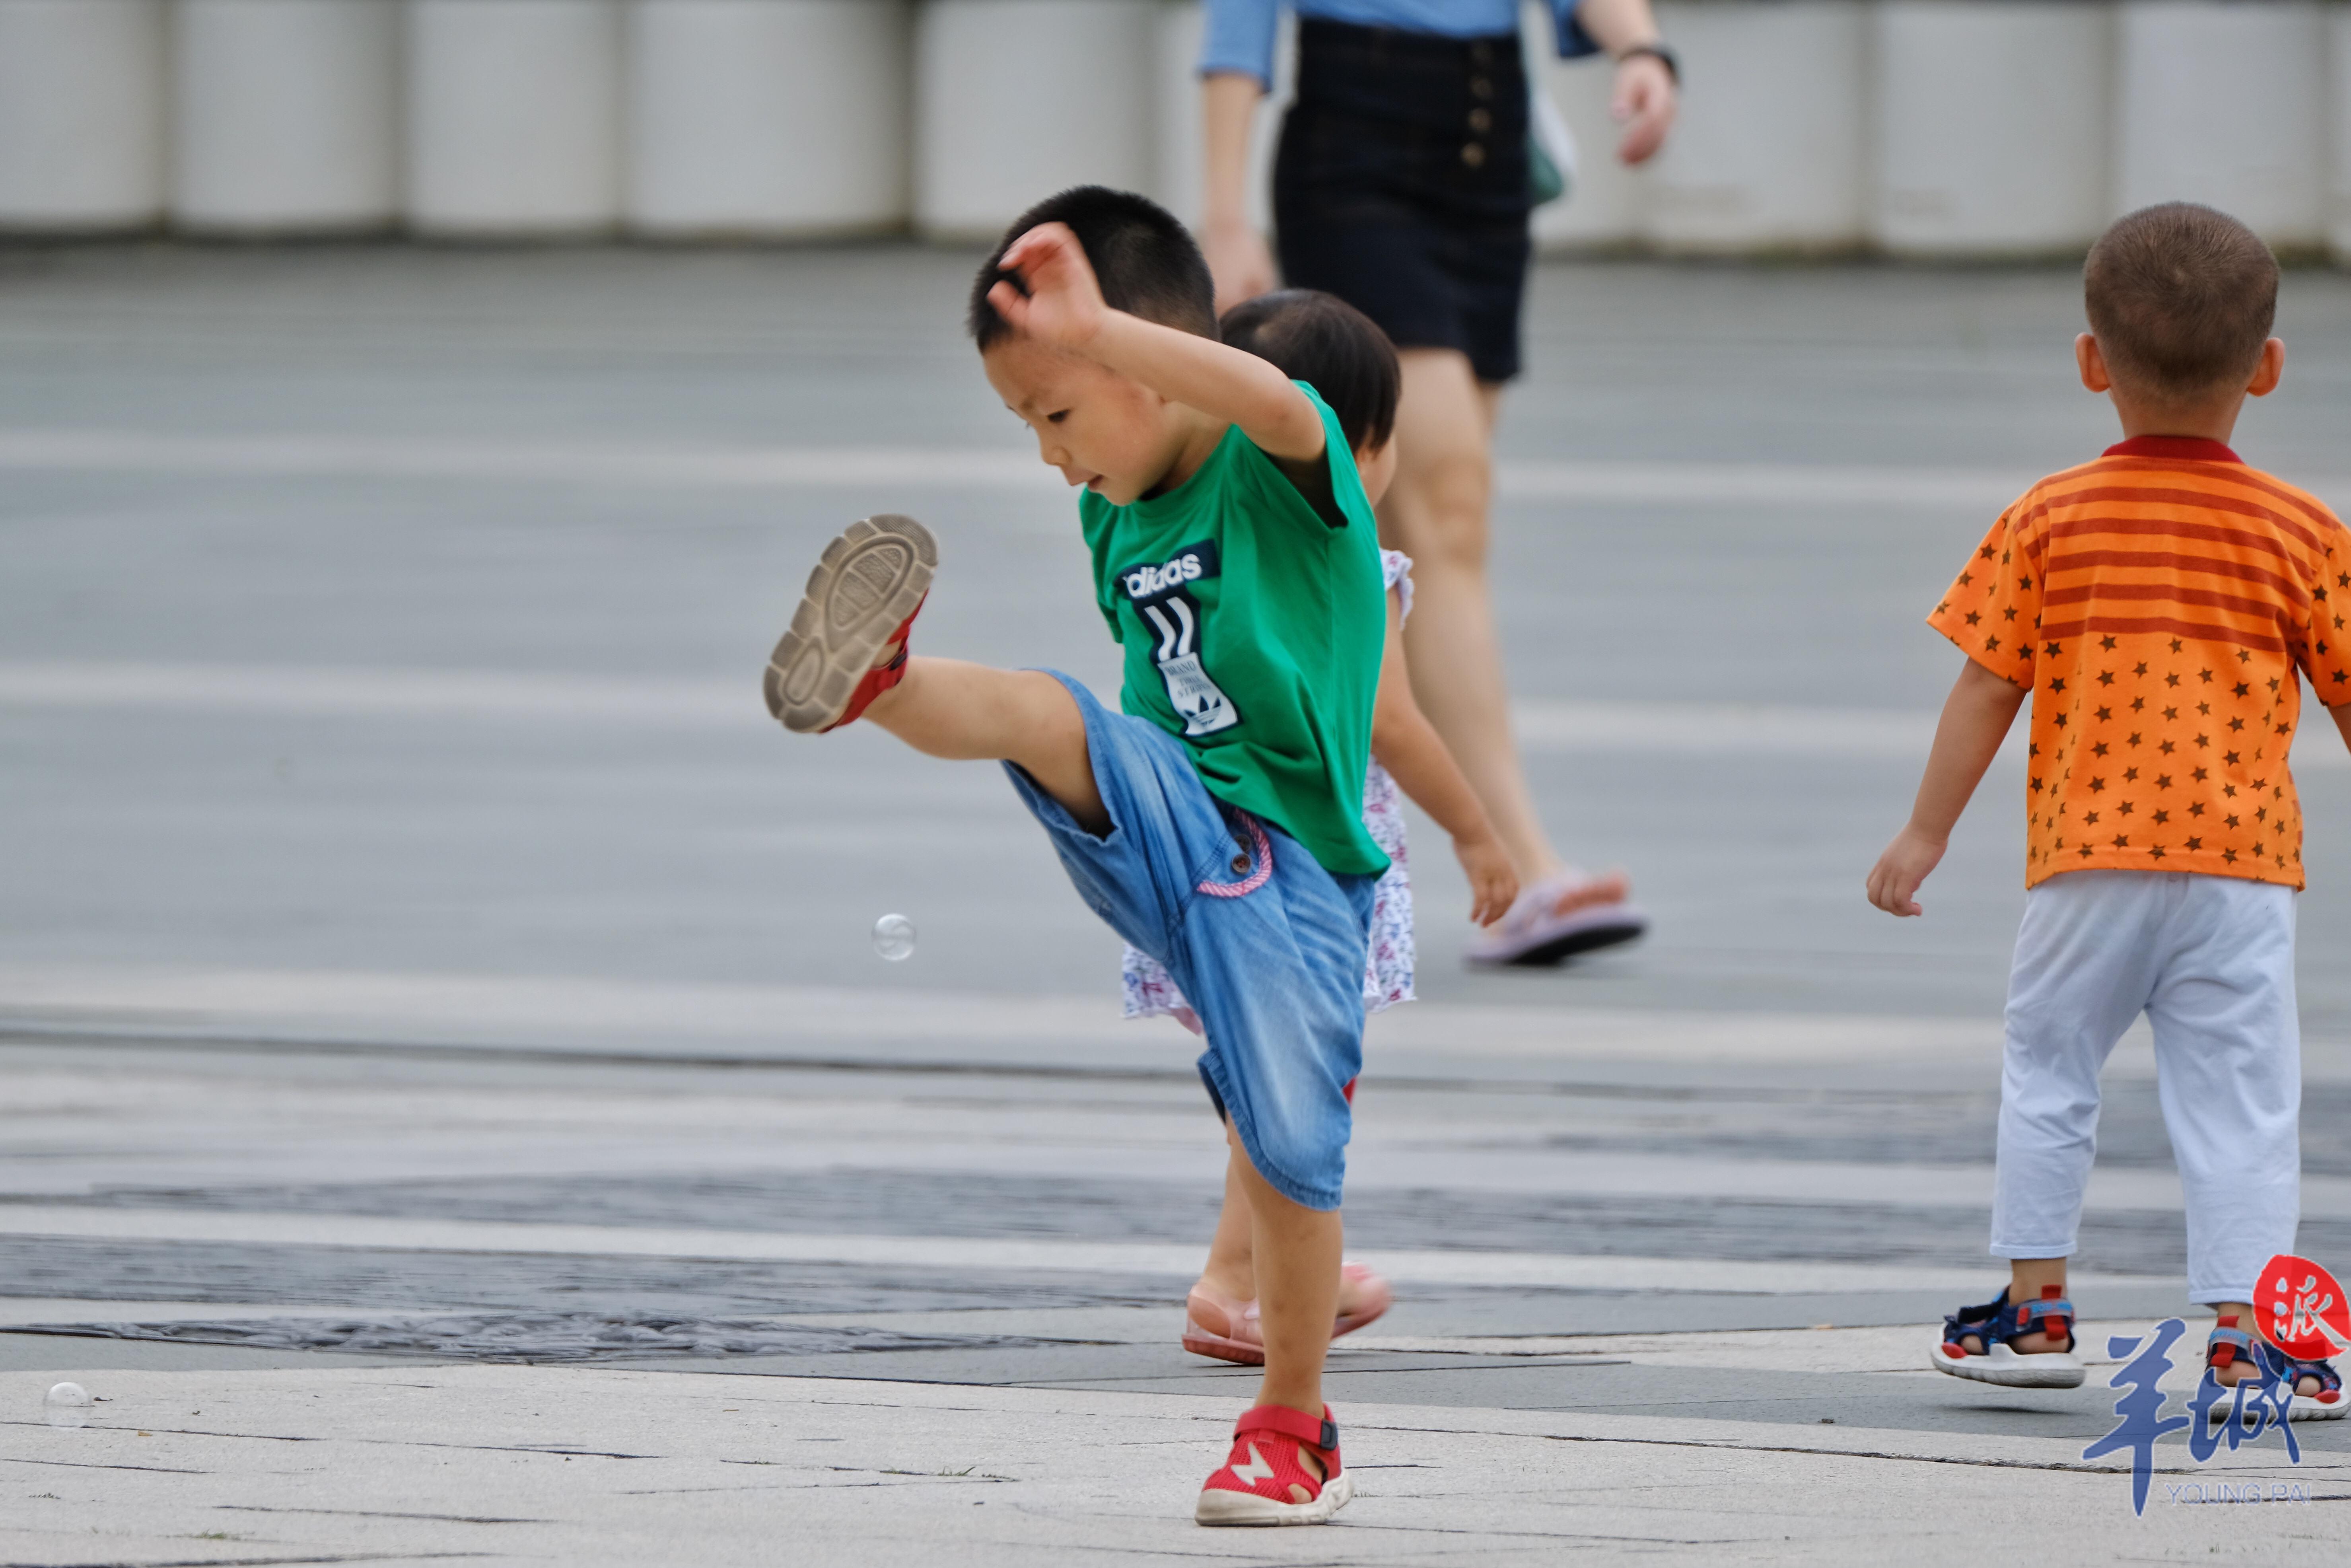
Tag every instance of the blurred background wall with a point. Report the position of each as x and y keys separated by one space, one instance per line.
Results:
x=1953 y=127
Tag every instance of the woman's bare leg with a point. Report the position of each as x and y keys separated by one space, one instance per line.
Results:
x=1435 y=512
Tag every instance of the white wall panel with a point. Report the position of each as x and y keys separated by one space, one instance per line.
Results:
x=285 y=114
x=2224 y=104
x=1016 y=100
x=2338 y=131
x=766 y=117
x=512 y=115
x=81 y=113
x=1767 y=153
x=1990 y=126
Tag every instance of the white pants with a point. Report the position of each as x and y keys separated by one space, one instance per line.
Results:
x=2209 y=959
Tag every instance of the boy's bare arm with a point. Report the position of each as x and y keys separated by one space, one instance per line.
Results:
x=1976 y=717
x=1064 y=308
x=1408 y=747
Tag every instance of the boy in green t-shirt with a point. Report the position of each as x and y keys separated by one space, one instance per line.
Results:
x=1217 y=823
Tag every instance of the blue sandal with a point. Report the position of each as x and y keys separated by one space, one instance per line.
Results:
x=2272 y=1367
x=2328 y=1403
x=1996 y=1325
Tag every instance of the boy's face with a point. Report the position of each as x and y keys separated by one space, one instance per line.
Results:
x=1107 y=432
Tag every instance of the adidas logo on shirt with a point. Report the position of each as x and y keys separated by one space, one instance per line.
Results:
x=1159 y=594
x=1188 y=565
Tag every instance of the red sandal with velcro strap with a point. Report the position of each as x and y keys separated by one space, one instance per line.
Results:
x=1266 y=1480
x=860 y=603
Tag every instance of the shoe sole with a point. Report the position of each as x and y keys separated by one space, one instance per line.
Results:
x=1247 y=1508
x=865 y=585
x=1600 y=933
x=2004 y=1368
x=1240 y=1352
x=2303 y=1408
x=1217 y=1347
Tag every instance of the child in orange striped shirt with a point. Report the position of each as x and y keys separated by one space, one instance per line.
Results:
x=2161 y=606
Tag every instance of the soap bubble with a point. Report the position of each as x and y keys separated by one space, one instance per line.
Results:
x=67 y=1405
x=894 y=937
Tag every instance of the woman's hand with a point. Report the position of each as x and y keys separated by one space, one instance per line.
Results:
x=1063 y=305
x=1645 y=104
x=1238 y=261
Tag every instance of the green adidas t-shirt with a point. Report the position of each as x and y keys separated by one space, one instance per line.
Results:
x=1253 y=630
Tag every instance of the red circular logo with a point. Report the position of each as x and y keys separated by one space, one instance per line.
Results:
x=2300 y=1308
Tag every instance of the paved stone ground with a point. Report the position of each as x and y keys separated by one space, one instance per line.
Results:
x=441 y=1051
x=507 y=1463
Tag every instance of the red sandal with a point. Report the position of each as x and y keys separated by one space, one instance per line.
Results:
x=1266 y=1481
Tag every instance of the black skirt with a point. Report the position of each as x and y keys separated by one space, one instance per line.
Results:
x=1401 y=185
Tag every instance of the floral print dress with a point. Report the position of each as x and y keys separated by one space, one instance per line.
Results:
x=1387 y=965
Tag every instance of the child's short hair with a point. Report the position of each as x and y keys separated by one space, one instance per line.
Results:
x=1146 y=261
x=2180 y=299
x=1322 y=340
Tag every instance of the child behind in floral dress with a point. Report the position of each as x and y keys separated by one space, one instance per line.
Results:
x=1318 y=338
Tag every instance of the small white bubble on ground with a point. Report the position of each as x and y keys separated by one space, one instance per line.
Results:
x=67 y=1405
x=894 y=937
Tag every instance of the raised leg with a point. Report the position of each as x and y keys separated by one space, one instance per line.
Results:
x=945 y=708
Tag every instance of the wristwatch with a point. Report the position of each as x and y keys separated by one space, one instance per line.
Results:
x=1659 y=53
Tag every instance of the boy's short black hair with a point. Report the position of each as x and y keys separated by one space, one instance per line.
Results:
x=2180 y=299
x=1146 y=262
x=1322 y=340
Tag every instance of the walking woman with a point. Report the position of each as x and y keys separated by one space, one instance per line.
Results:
x=1404 y=186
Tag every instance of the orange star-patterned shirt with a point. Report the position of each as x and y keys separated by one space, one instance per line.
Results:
x=2160 y=604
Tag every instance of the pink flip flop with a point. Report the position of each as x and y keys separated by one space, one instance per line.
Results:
x=1373 y=1297
x=1238 y=1340
x=1242 y=1341
x=1535 y=932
